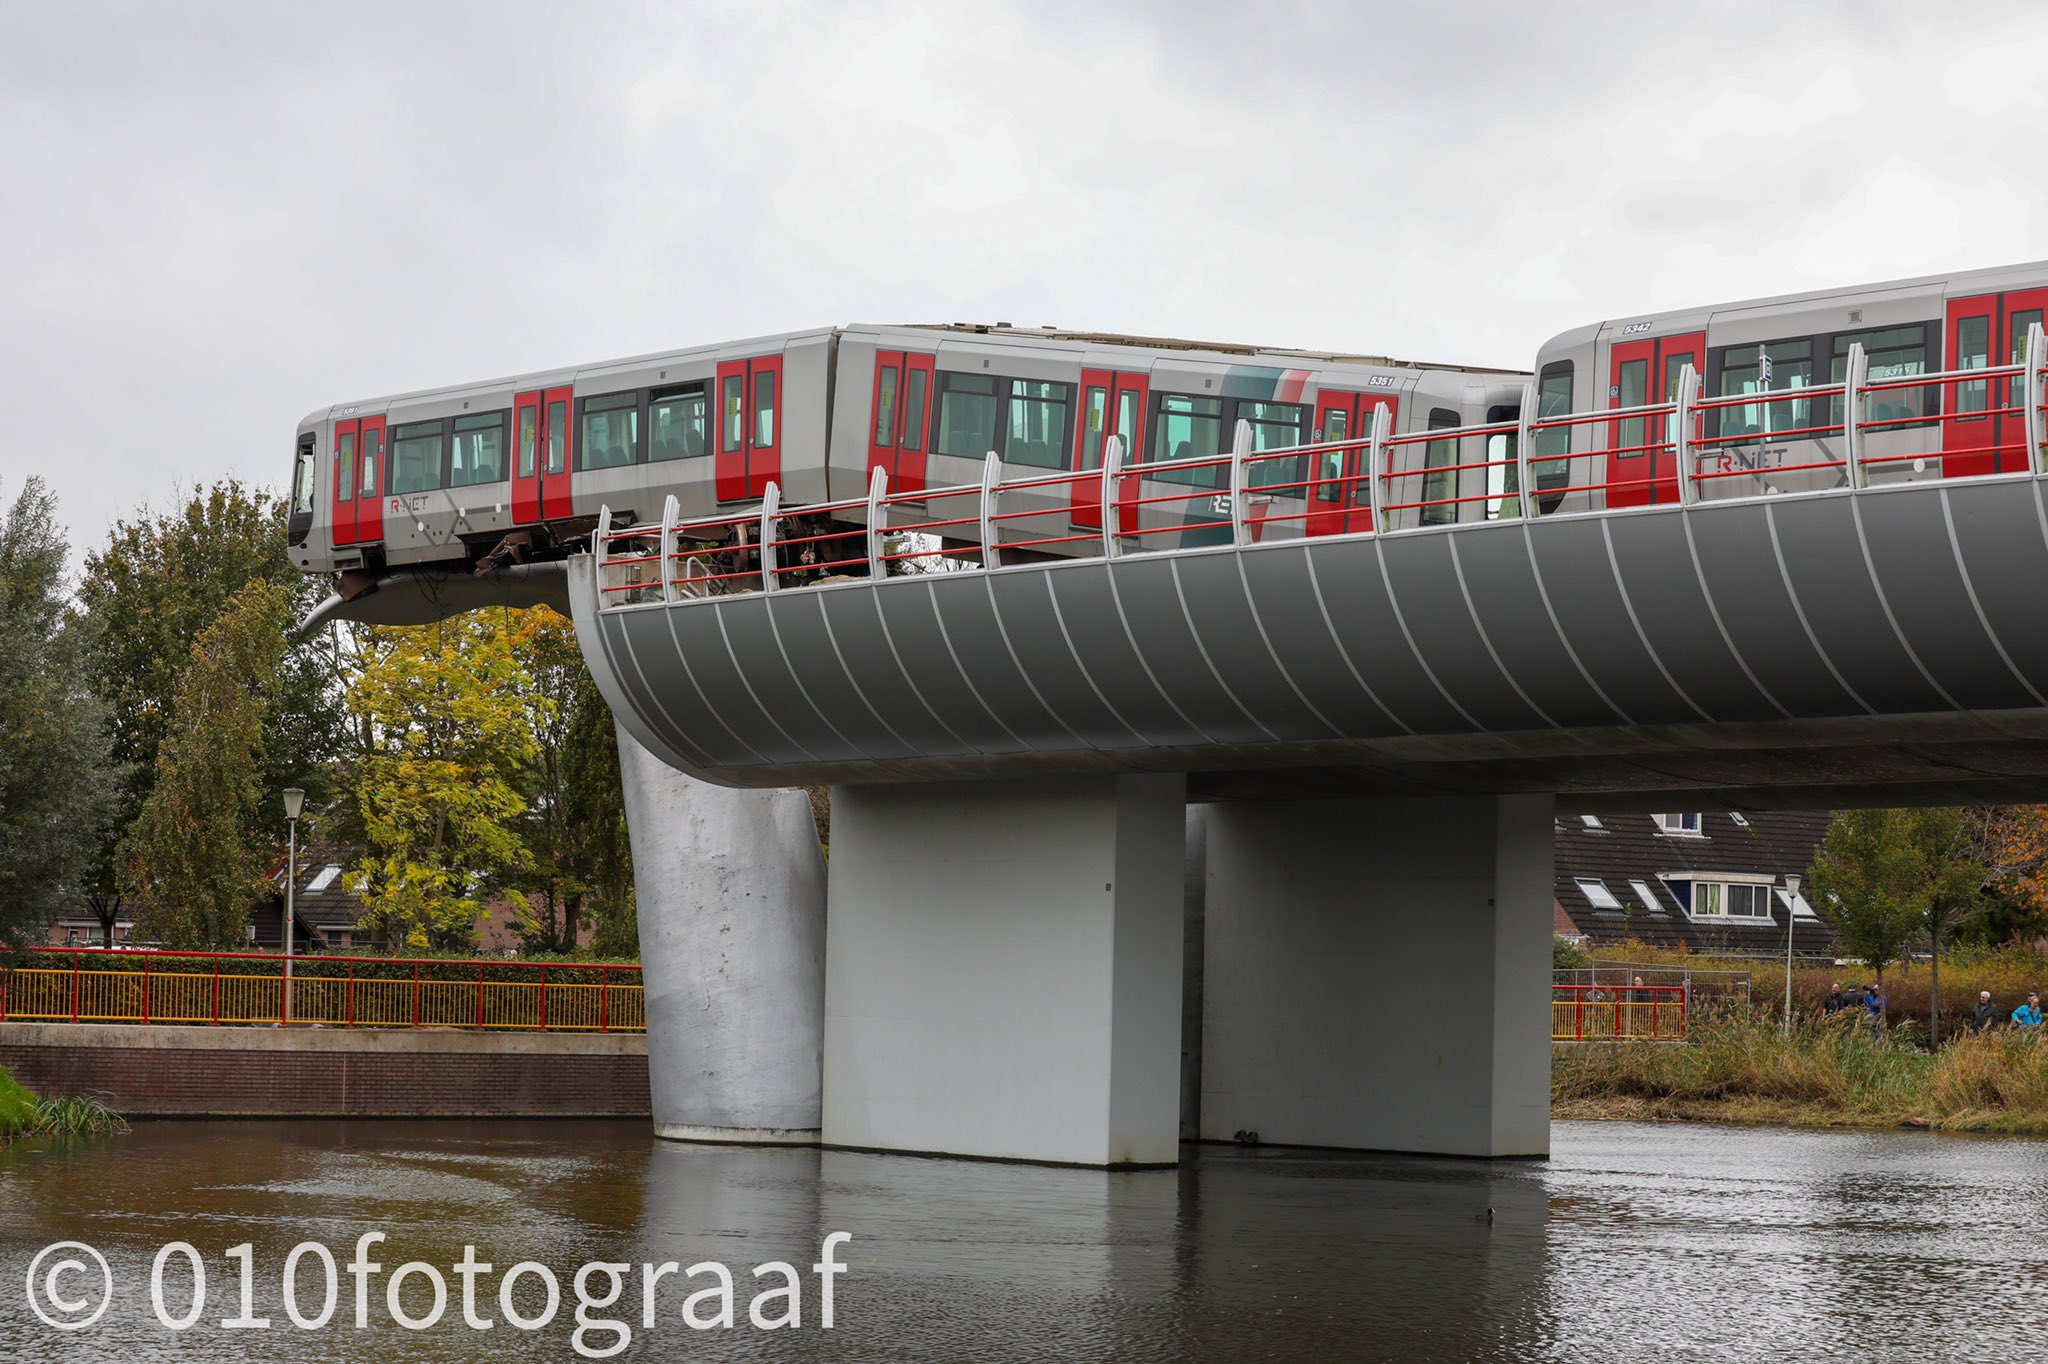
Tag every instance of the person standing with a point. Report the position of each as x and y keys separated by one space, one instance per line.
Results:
x=1873 y=1007
x=1985 y=1014
x=1836 y=1000
x=2028 y=1015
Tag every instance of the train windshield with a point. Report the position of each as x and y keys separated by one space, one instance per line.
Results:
x=302 y=478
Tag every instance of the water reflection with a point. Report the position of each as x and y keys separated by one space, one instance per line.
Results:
x=1631 y=1241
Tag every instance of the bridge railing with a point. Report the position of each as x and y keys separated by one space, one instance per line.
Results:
x=101 y=985
x=1692 y=448
x=1627 y=1013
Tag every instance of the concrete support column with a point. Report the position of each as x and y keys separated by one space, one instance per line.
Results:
x=1004 y=969
x=731 y=889
x=1377 y=974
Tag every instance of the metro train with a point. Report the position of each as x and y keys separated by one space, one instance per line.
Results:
x=448 y=487
x=447 y=483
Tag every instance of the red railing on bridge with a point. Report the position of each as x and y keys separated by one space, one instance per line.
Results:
x=1618 y=1013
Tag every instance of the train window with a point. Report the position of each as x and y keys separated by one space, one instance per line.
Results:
x=1130 y=419
x=1632 y=433
x=1095 y=413
x=732 y=407
x=611 y=431
x=676 y=424
x=913 y=410
x=1189 y=428
x=967 y=415
x=528 y=440
x=2019 y=323
x=1554 y=400
x=1441 y=487
x=303 y=478
x=1036 y=433
x=1274 y=426
x=373 y=455
x=1791 y=368
x=345 y=452
x=416 y=457
x=1891 y=353
x=558 y=437
x=1503 y=480
x=885 y=406
x=476 y=451
x=1330 y=463
x=764 y=408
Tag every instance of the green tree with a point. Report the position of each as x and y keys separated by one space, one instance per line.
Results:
x=158 y=583
x=447 y=713
x=197 y=852
x=1885 y=877
x=57 y=779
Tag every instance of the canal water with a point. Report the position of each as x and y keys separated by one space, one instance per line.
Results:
x=1632 y=1242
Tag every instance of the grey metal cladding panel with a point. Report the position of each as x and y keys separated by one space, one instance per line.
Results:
x=1425 y=586
x=1284 y=595
x=1160 y=630
x=1347 y=575
x=914 y=625
x=854 y=614
x=968 y=617
x=1495 y=563
x=1028 y=617
x=1917 y=571
x=1649 y=553
x=1096 y=630
x=1578 y=581
x=1213 y=589
x=643 y=662
x=1824 y=560
x=668 y=645
x=1998 y=529
x=807 y=640
x=1741 y=567
x=746 y=684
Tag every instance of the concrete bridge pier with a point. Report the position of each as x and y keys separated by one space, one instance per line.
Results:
x=731 y=889
x=1004 y=969
x=1376 y=974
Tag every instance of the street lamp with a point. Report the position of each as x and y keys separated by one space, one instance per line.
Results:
x=1791 y=915
x=294 y=801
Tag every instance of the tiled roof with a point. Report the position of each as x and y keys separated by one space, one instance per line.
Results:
x=322 y=900
x=1619 y=851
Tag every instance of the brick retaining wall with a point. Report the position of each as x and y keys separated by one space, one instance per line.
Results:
x=160 y=1071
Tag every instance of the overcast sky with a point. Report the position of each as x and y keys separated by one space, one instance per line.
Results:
x=215 y=218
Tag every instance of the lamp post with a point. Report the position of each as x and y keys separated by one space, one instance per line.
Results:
x=1791 y=916
x=294 y=801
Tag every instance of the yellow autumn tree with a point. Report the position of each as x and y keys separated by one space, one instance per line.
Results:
x=447 y=716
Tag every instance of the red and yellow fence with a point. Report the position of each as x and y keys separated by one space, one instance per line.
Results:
x=1624 y=1013
x=95 y=985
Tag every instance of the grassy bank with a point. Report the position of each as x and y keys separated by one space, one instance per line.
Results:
x=23 y=1114
x=1741 y=1069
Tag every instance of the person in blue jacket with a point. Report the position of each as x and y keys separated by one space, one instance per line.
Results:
x=2028 y=1015
x=1873 y=1006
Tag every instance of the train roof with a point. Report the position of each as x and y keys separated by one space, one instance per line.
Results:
x=1051 y=333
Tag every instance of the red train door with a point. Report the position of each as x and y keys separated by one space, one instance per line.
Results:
x=558 y=452
x=526 y=458
x=1985 y=431
x=749 y=427
x=369 y=483
x=346 y=436
x=1128 y=390
x=1084 y=495
x=1642 y=466
x=896 y=432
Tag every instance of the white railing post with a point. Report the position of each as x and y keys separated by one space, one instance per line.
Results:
x=878 y=487
x=1375 y=461
x=1525 y=488
x=1240 y=497
x=1112 y=468
x=670 y=510
x=601 y=545
x=771 y=507
x=1681 y=435
x=1853 y=375
x=2036 y=424
x=991 y=478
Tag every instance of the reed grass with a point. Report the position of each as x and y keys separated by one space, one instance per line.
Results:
x=22 y=1114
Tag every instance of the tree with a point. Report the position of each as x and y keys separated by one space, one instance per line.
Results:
x=197 y=852
x=150 y=592
x=1887 y=876
x=57 y=779
x=447 y=713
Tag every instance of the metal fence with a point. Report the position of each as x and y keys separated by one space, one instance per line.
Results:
x=1597 y=1013
x=99 y=985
